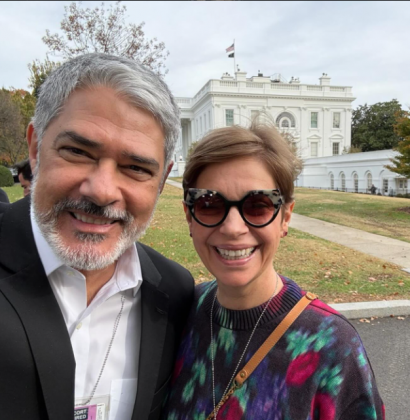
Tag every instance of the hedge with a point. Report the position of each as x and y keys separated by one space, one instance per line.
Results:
x=6 y=178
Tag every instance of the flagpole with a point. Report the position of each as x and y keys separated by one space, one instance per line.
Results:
x=234 y=59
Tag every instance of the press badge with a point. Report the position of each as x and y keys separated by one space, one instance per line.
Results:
x=96 y=410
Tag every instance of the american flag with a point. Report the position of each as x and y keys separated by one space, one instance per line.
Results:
x=231 y=48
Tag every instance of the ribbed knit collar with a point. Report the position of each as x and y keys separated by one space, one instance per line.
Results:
x=246 y=319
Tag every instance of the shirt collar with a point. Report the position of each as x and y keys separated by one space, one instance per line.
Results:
x=128 y=271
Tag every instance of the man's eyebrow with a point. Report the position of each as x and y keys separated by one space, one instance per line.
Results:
x=77 y=138
x=141 y=159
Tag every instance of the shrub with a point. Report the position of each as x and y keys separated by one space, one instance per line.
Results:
x=6 y=178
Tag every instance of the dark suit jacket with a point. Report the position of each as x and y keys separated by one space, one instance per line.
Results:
x=37 y=365
x=3 y=196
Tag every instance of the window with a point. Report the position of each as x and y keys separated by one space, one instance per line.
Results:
x=369 y=181
x=332 y=181
x=336 y=120
x=254 y=114
x=403 y=184
x=288 y=116
x=206 y=128
x=335 y=148
x=313 y=149
x=385 y=185
x=313 y=119
x=209 y=119
x=343 y=181
x=284 y=123
x=229 y=117
x=356 y=182
x=200 y=119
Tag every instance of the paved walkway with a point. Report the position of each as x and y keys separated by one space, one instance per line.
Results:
x=388 y=249
x=391 y=250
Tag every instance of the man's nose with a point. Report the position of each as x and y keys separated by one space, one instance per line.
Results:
x=234 y=225
x=101 y=184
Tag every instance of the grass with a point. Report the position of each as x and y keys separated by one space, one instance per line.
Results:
x=14 y=193
x=334 y=272
x=387 y=216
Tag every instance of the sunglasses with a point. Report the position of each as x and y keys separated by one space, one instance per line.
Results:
x=257 y=208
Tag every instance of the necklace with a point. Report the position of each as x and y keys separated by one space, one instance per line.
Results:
x=116 y=322
x=215 y=412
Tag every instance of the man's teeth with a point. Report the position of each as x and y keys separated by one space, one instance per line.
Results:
x=86 y=219
x=229 y=254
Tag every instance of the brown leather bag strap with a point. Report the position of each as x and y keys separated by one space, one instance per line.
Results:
x=266 y=347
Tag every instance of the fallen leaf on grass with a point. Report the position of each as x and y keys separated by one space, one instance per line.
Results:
x=372 y=279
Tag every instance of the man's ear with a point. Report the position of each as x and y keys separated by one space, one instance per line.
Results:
x=32 y=141
x=166 y=176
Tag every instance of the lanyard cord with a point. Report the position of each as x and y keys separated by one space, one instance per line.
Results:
x=117 y=321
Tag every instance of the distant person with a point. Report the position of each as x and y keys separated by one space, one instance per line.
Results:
x=373 y=189
x=24 y=175
x=238 y=198
x=3 y=196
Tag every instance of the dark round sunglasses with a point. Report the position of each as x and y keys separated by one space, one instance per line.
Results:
x=257 y=208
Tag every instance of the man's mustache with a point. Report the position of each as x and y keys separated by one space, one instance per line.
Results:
x=88 y=207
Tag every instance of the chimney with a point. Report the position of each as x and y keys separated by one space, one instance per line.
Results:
x=324 y=80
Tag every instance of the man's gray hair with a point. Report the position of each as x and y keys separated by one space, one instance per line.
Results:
x=139 y=86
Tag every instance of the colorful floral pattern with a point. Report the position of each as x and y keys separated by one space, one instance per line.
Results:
x=319 y=370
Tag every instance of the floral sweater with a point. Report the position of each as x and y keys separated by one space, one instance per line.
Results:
x=318 y=370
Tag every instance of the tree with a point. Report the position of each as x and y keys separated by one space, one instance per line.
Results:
x=401 y=163
x=104 y=30
x=373 y=126
x=38 y=73
x=12 y=142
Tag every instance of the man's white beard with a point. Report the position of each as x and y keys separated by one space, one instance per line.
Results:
x=85 y=256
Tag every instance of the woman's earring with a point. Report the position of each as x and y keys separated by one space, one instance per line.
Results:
x=190 y=234
x=285 y=233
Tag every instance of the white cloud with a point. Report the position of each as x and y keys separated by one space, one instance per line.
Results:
x=359 y=44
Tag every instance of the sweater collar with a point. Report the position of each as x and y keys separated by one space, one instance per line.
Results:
x=246 y=319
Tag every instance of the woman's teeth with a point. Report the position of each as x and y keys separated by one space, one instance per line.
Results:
x=238 y=254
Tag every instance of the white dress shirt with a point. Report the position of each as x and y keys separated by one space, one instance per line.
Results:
x=91 y=328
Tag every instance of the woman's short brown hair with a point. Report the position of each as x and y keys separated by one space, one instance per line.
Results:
x=260 y=140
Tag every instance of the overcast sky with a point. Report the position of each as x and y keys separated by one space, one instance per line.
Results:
x=365 y=45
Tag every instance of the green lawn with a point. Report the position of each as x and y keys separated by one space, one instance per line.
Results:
x=387 y=216
x=14 y=193
x=334 y=272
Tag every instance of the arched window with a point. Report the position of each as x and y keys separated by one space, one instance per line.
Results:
x=287 y=115
x=284 y=123
x=332 y=181
x=369 y=180
x=343 y=181
x=356 y=182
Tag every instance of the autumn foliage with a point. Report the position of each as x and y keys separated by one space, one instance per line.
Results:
x=401 y=163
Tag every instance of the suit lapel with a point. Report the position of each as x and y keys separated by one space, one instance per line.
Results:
x=154 y=321
x=26 y=287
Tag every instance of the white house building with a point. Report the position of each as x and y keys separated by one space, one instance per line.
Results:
x=355 y=172
x=317 y=116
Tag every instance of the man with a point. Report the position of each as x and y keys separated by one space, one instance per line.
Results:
x=24 y=175
x=90 y=321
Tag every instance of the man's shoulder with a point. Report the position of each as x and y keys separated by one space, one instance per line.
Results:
x=163 y=263
x=169 y=269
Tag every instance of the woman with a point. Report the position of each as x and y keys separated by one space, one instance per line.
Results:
x=238 y=192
